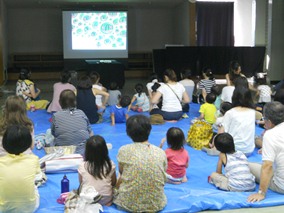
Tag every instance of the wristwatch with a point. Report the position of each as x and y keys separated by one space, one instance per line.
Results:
x=261 y=192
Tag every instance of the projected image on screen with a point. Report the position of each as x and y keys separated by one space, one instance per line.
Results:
x=99 y=30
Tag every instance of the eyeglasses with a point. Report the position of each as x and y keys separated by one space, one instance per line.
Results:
x=265 y=119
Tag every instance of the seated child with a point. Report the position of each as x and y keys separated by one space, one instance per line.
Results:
x=217 y=91
x=208 y=109
x=18 y=171
x=142 y=100
x=224 y=107
x=119 y=111
x=98 y=170
x=237 y=177
x=114 y=94
x=177 y=156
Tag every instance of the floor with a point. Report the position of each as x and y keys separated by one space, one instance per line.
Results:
x=46 y=88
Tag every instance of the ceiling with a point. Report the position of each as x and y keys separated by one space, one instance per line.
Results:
x=63 y=4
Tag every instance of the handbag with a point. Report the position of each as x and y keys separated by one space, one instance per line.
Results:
x=199 y=135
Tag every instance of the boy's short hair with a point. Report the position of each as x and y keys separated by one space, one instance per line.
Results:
x=210 y=98
x=225 y=106
x=125 y=101
x=138 y=128
x=224 y=143
x=17 y=139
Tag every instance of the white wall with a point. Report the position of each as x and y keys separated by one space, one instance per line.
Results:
x=243 y=25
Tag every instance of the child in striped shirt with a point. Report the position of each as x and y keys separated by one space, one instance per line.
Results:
x=237 y=177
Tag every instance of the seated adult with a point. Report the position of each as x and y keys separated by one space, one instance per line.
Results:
x=142 y=169
x=240 y=121
x=153 y=79
x=27 y=89
x=58 y=88
x=187 y=82
x=70 y=126
x=14 y=113
x=86 y=98
x=227 y=92
x=270 y=175
x=234 y=72
x=173 y=94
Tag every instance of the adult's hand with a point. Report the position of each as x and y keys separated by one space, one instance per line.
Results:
x=256 y=197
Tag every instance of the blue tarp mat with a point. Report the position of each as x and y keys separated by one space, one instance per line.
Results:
x=193 y=196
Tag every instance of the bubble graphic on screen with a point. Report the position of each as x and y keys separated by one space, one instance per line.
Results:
x=95 y=23
x=99 y=30
x=106 y=28
x=104 y=17
x=112 y=14
x=75 y=21
x=107 y=41
x=123 y=33
x=115 y=21
x=86 y=29
x=86 y=18
x=122 y=19
x=79 y=30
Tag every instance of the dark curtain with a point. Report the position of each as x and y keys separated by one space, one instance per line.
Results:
x=215 y=23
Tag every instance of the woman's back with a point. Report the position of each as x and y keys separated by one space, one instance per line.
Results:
x=86 y=101
x=143 y=178
x=57 y=89
x=172 y=95
x=240 y=123
x=22 y=86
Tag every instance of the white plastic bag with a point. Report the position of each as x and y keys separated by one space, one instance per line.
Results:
x=66 y=163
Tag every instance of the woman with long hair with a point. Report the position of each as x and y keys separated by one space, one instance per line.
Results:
x=14 y=113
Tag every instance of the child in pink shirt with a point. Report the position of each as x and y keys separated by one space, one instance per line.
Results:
x=177 y=156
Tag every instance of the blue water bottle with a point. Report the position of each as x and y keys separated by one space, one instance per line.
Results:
x=64 y=184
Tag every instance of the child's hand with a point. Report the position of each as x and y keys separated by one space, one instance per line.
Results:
x=162 y=142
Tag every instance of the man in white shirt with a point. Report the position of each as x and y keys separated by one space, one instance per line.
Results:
x=271 y=173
